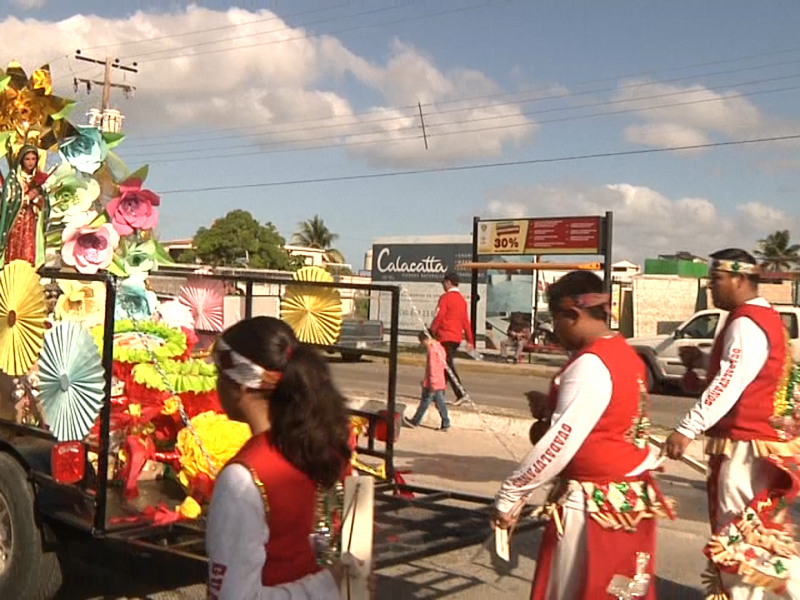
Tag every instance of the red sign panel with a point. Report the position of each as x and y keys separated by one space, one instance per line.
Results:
x=563 y=236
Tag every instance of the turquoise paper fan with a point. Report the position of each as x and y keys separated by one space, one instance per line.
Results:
x=71 y=381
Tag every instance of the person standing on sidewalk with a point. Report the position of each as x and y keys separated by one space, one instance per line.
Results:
x=751 y=425
x=604 y=503
x=433 y=385
x=449 y=327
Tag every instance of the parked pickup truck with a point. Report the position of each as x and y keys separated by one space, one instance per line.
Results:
x=661 y=352
x=359 y=334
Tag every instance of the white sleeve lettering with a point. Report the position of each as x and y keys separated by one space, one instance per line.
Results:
x=236 y=540
x=744 y=354
x=583 y=396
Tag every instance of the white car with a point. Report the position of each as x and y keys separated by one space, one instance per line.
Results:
x=661 y=352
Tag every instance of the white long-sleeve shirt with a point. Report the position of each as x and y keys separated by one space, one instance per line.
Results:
x=745 y=351
x=584 y=392
x=236 y=544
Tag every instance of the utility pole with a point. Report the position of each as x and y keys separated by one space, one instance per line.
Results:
x=109 y=64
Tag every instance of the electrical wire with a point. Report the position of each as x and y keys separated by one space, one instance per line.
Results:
x=212 y=29
x=314 y=35
x=483 y=166
x=435 y=133
x=412 y=114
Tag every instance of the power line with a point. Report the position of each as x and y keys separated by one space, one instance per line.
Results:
x=257 y=33
x=469 y=121
x=496 y=165
x=211 y=29
x=315 y=35
x=412 y=115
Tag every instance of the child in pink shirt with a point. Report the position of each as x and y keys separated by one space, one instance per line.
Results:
x=434 y=384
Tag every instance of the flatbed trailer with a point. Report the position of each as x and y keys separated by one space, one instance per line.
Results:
x=38 y=512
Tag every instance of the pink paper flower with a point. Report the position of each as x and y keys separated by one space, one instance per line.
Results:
x=134 y=208
x=89 y=249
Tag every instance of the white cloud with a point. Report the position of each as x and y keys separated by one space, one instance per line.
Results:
x=289 y=87
x=29 y=4
x=696 y=116
x=646 y=223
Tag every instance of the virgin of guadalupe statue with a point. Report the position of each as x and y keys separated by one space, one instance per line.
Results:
x=24 y=210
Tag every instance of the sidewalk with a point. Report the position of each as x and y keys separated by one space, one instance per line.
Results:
x=510 y=425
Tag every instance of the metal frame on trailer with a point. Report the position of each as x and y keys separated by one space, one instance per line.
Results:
x=407 y=528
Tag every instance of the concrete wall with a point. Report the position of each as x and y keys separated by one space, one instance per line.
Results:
x=775 y=293
x=662 y=299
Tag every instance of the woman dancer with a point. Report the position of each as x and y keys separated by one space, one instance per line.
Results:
x=262 y=518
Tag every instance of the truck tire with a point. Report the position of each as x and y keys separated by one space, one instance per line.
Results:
x=27 y=572
x=351 y=357
x=652 y=382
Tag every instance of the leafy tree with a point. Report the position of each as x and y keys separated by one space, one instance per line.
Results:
x=776 y=253
x=238 y=239
x=187 y=257
x=313 y=233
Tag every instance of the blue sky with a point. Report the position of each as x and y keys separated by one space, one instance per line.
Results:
x=519 y=71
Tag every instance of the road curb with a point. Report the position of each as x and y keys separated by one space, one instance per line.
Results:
x=501 y=421
x=480 y=366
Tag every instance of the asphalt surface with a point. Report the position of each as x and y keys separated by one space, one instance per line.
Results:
x=502 y=389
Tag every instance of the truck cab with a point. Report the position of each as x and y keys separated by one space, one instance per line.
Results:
x=662 y=353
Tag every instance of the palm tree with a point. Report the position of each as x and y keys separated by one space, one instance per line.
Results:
x=313 y=233
x=776 y=253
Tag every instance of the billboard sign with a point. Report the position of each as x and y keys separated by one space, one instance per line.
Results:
x=562 y=235
x=418 y=263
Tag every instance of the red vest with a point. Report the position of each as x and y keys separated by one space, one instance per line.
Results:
x=749 y=418
x=608 y=453
x=290 y=500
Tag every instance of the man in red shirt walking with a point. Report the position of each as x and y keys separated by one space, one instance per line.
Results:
x=449 y=327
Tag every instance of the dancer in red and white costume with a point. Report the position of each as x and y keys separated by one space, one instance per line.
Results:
x=604 y=502
x=263 y=513
x=752 y=443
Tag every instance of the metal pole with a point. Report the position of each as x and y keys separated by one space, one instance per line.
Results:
x=391 y=407
x=105 y=413
x=106 y=86
x=608 y=240
x=473 y=287
x=535 y=297
x=248 y=299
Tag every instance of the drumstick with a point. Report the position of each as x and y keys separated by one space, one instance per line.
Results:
x=695 y=464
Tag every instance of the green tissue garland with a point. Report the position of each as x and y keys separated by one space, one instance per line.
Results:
x=194 y=376
x=169 y=344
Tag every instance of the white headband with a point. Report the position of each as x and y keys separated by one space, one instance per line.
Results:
x=242 y=370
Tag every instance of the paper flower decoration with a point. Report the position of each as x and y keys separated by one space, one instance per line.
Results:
x=175 y=314
x=221 y=438
x=71 y=194
x=134 y=300
x=27 y=103
x=134 y=343
x=134 y=208
x=71 y=381
x=206 y=299
x=193 y=376
x=313 y=312
x=81 y=301
x=85 y=151
x=22 y=316
x=89 y=249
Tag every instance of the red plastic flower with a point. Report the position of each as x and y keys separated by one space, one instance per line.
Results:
x=134 y=208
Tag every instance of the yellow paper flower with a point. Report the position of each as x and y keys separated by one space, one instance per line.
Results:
x=27 y=105
x=313 y=312
x=221 y=438
x=22 y=313
x=83 y=302
x=171 y=406
x=190 y=509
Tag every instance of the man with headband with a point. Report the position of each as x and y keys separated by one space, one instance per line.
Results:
x=752 y=442
x=604 y=502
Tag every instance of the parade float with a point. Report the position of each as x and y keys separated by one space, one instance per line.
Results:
x=110 y=426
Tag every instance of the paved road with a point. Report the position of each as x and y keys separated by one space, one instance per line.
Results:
x=501 y=389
